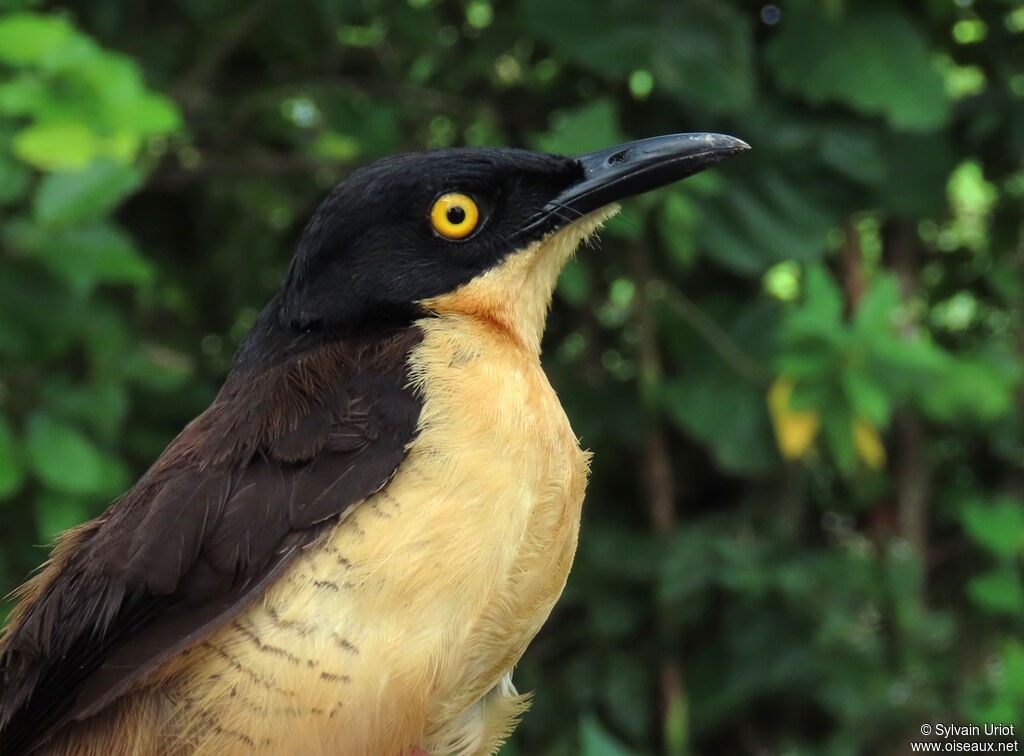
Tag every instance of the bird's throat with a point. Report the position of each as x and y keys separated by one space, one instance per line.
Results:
x=514 y=296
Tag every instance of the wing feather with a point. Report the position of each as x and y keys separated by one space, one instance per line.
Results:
x=280 y=455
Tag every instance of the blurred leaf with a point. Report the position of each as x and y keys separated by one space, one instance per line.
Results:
x=679 y=222
x=28 y=94
x=868 y=444
x=690 y=567
x=873 y=60
x=83 y=256
x=997 y=525
x=372 y=124
x=574 y=283
x=824 y=301
x=65 y=460
x=608 y=539
x=906 y=365
x=1013 y=664
x=610 y=38
x=757 y=656
x=627 y=695
x=11 y=474
x=795 y=430
x=699 y=50
x=727 y=246
x=854 y=151
x=867 y=399
x=59 y=511
x=595 y=741
x=999 y=591
x=85 y=101
x=57 y=146
x=807 y=361
x=1006 y=281
x=967 y=386
x=158 y=368
x=627 y=223
x=918 y=166
x=100 y=404
x=613 y=616
x=728 y=416
x=838 y=431
x=150 y=114
x=816 y=326
x=47 y=318
x=587 y=128
x=122 y=102
x=706 y=55
x=14 y=180
x=75 y=196
x=32 y=38
x=756 y=223
x=875 y=310
x=333 y=145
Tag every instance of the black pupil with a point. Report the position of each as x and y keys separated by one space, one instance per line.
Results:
x=455 y=215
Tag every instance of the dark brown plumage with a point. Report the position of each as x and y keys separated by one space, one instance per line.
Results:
x=284 y=449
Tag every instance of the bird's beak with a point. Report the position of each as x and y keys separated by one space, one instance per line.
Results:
x=635 y=167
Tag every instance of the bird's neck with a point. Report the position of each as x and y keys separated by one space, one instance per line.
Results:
x=274 y=339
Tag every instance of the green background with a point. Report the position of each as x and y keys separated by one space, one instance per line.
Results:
x=800 y=373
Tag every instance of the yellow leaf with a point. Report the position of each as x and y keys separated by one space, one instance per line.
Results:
x=795 y=430
x=869 y=444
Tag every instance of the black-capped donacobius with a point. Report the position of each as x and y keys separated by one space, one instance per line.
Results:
x=351 y=548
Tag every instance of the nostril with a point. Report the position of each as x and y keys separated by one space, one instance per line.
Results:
x=618 y=157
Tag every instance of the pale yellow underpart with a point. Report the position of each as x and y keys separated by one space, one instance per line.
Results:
x=403 y=628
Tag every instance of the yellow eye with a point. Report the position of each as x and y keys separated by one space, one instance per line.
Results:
x=454 y=216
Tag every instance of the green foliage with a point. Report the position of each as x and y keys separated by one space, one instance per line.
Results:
x=876 y=62
x=715 y=404
x=11 y=468
x=80 y=101
x=998 y=591
x=65 y=460
x=63 y=199
x=997 y=527
x=801 y=372
x=74 y=119
x=697 y=50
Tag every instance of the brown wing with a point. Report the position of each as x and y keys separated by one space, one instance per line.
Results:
x=282 y=453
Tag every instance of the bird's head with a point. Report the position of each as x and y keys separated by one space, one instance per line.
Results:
x=475 y=231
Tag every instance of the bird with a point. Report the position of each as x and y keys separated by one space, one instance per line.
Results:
x=350 y=549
